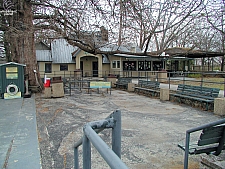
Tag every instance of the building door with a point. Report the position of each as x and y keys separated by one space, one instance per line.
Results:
x=95 y=69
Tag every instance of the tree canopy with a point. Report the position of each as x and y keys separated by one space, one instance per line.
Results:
x=153 y=25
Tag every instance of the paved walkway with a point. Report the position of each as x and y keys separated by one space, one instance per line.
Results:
x=150 y=132
x=151 y=129
x=19 y=147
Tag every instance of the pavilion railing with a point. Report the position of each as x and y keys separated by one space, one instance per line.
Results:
x=111 y=156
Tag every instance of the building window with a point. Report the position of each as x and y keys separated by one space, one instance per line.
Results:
x=63 y=67
x=144 y=65
x=129 y=65
x=157 y=65
x=48 y=68
x=116 y=64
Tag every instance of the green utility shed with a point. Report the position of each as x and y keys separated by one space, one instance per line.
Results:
x=12 y=79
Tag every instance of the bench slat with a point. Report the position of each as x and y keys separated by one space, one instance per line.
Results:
x=123 y=82
x=211 y=132
x=207 y=150
x=209 y=141
x=198 y=93
x=147 y=86
x=195 y=149
x=211 y=135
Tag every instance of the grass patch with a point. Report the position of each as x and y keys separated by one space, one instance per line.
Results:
x=194 y=75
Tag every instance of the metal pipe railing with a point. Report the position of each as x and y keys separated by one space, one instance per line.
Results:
x=111 y=156
x=183 y=77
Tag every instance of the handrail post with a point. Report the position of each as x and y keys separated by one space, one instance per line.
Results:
x=76 y=160
x=86 y=153
x=116 y=133
x=111 y=155
x=186 y=150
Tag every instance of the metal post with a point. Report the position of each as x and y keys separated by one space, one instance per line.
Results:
x=157 y=77
x=76 y=161
x=86 y=153
x=104 y=150
x=70 y=87
x=147 y=76
x=202 y=80
x=186 y=150
x=184 y=80
x=169 y=80
x=116 y=133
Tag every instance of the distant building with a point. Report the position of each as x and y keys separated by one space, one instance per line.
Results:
x=61 y=57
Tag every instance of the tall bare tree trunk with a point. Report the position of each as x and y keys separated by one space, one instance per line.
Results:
x=28 y=45
x=121 y=23
x=223 y=44
x=20 y=36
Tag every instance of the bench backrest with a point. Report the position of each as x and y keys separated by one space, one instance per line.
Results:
x=213 y=135
x=198 y=90
x=125 y=80
x=146 y=83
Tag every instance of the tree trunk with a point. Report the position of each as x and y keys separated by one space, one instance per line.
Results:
x=21 y=39
x=222 y=63
x=121 y=24
x=223 y=43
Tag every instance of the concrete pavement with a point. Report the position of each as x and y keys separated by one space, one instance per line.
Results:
x=19 y=148
x=151 y=129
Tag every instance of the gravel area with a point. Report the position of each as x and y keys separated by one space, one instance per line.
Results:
x=151 y=129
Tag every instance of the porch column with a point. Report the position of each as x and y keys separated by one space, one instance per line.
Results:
x=100 y=73
x=121 y=68
x=77 y=62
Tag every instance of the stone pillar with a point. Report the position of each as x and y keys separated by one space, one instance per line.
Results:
x=219 y=106
x=162 y=76
x=130 y=87
x=112 y=80
x=57 y=90
x=164 y=94
x=153 y=78
x=48 y=92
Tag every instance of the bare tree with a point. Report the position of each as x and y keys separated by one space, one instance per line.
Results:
x=161 y=22
x=19 y=35
x=214 y=13
x=145 y=22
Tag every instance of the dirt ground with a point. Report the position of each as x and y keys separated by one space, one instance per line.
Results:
x=151 y=129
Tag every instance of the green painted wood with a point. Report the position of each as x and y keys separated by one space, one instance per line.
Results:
x=123 y=82
x=211 y=132
x=198 y=93
x=208 y=141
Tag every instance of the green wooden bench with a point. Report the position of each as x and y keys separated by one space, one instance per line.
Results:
x=123 y=82
x=146 y=87
x=198 y=93
x=211 y=140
